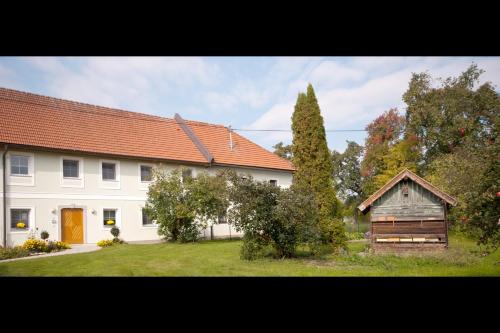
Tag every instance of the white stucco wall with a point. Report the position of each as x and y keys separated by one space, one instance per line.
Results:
x=46 y=193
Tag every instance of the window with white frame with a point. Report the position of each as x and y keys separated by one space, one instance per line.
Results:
x=19 y=165
x=109 y=217
x=147 y=221
x=146 y=173
x=108 y=171
x=273 y=182
x=19 y=219
x=71 y=168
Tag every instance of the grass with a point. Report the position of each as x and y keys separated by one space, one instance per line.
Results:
x=221 y=258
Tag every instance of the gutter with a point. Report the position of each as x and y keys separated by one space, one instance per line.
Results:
x=4 y=196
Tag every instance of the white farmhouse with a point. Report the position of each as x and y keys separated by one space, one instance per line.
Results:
x=69 y=167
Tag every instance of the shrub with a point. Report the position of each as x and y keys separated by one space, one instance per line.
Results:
x=251 y=248
x=182 y=206
x=333 y=234
x=271 y=216
x=44 y=235
x=57 y=246
x=105 y=243
x=115 y=231
x=354 y=235
x=13 y=252
x=35 y=245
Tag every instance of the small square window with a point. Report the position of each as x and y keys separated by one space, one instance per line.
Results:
x=70 y=168
x=186 y=174
x=109 y=217
x=19 y=219
x=146 y=173
x=273 y=182
x=19 y=165
x=108 y=171
x=146 y=220
x=222 y=218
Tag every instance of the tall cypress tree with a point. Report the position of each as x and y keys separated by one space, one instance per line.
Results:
x=312 y=160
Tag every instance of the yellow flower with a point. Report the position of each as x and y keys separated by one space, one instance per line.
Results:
x=109 y=222
x=21 y=225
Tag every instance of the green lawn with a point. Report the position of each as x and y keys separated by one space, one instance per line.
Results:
x=221 y=258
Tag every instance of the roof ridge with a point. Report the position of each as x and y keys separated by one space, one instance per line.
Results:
x=97 y=109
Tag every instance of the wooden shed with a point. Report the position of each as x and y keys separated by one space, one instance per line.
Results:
x=408 y=213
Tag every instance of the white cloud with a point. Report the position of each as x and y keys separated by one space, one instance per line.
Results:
x=8 y=78
x=135 y=82
x=352 y=95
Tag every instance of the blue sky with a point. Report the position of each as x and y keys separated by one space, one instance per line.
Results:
x=244 y=92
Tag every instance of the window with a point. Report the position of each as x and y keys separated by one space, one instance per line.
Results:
x=19 y=219
x=71 y=168
x=19 y=165
x=146 y=173
x=222 y=218
x=146 y=220
x=273 y=182
x=109 y=217
x=187 y=173
x=108 y=171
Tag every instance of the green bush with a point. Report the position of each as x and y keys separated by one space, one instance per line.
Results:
x=44 y=235
x=115 y=231
x=354 y=235
x=251 y=249
x=272 y=217
x=13 y=252
x=57 y=246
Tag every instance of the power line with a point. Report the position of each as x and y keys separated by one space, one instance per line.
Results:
x=283 y=130
x=136 y=116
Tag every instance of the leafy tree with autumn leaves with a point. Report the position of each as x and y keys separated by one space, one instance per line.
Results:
x=457 y=125
x=383 y=133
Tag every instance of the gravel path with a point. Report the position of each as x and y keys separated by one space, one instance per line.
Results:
x=75 y=248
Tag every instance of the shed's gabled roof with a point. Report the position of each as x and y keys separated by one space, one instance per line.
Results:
x=403 y=175
x=39 y=121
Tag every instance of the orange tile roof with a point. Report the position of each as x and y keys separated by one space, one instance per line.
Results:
x=40 y=121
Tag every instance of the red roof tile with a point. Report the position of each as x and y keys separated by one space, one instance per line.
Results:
x=40 y=121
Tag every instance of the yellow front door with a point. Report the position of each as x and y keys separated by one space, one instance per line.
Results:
x=72 y=225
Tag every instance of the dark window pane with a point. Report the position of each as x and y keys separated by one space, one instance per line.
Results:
x=273 y=182
x=146 y=173
x=70 y=168
x=146 y=220
x=108 y=171
x=109 y=214
x=19 y=216
x=222 y=218
x=187 y=173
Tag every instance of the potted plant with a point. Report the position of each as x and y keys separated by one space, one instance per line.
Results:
x=21 y=225
x=115 y=232
x=110 y=222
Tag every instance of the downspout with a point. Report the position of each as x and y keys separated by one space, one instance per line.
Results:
x=4 y=196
